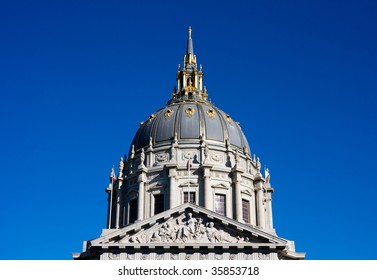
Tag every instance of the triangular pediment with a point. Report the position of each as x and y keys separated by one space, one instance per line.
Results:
x=189 y=225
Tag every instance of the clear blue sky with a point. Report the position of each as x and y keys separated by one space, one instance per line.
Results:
x=77 y=77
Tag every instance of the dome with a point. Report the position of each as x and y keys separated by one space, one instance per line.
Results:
x=189 y=116
x=189 y=122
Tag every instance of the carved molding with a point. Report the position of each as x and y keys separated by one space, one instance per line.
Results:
x=189 y=154
x=162 y=157
x=216 y=157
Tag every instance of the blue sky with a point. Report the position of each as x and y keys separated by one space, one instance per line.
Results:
x=77 y=77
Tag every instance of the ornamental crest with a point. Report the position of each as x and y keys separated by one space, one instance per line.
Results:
x=216 y=157
x=168 y=114
x=190 y=111
x=189 y=155
x=228 y=118
x=151 y=117
x=211 y=114
x=162 y=157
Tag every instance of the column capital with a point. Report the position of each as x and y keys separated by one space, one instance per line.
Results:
x=206 y=170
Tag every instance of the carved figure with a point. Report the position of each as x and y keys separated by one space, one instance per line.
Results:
x=163 y=234
x=213 y=234
x=236 y=157
x=206 y=153
x=258 y=165
x=188 y=229
x=267 y=174
x=173 y=153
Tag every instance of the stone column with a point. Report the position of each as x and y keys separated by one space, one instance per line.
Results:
x=270 y=224
x=118 y=202
x=174 y=194
x=141 y=205
x=237 y=193
x=253 y=210
x=208 y=194
x=140 y=210
x=261 y=218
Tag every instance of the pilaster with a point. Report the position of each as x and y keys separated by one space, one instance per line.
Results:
x=208 y=193
x=237 y=177
x=173 y=189
x=142 y=179
x=260 y=207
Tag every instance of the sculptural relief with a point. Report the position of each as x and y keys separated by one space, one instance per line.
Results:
x=189 y=155
x=216 y=157
x=162 y=157
x=186 y=229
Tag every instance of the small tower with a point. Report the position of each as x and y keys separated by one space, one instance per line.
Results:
x=189 y=78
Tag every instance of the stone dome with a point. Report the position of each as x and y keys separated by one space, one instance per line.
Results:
x=190 y=121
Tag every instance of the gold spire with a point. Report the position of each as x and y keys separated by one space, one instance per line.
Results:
x=189 y=78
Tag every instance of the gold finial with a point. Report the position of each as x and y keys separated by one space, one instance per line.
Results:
x=189 y=31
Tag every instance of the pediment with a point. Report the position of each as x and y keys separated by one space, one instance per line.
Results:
x=189 y=224
x=221 y=186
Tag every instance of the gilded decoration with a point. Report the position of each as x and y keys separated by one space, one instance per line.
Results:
x=190 y=111
x=151 y=117
x=211 y=114
x=228 y=118
x=168 y=114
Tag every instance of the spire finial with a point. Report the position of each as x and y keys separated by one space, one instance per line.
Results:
x=190 y=48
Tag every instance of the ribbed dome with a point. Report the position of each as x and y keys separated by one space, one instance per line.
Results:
x=190 y=121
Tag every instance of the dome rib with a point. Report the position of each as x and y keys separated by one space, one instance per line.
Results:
x=190 y=120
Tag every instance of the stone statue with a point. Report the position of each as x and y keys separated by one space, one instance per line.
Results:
x=258 y=165
x=236 y=157
x=173 y=154
x=142 y=157
x=112 y=175
x=267 y=175
x=188 y=230
x=121 y=166
x=206 y=153
x=132 y=151
x=213 y=234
